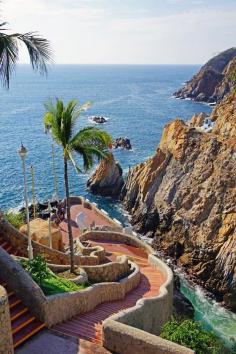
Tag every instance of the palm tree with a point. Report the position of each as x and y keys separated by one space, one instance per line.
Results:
x=38 y=49
x=89 y=143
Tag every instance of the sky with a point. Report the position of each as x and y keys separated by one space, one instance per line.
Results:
x=127 y=31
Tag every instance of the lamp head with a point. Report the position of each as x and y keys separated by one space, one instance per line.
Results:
x=22 y=151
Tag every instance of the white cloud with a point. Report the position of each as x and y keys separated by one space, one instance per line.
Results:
x=87 y=32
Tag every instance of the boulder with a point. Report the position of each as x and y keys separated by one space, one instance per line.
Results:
x=123 y=143
x=107 y=180
x=40 y=233
x=99 y=120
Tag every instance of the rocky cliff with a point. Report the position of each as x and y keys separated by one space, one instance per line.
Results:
x=185 y=197
x=213 y=81
x=107 y=180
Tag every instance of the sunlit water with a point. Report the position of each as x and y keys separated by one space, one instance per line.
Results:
x=214 y=317
x=138 y=102
x=136 y=99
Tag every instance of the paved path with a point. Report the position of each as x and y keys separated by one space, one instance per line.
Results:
x=90 y=216
x=49 y=342
x=89 y=325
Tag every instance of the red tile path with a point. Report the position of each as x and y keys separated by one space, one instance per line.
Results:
x=90 y=216
x=89 y=325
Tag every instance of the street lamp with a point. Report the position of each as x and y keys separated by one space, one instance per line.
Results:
x=22 y=153
x=49 y=225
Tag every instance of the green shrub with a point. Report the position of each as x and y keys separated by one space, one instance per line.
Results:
x=50 y=283
x=192 y=335
x=15 y=219
x=37 y=268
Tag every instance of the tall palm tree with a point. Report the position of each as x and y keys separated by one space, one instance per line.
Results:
x=38 y=49
x=89 y=143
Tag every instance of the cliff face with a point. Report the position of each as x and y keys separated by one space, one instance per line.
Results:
x=185 y=197
x=107 y=180
x=212 y=82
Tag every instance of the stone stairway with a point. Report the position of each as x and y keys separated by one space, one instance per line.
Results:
x=24 y=324
x=88 y=326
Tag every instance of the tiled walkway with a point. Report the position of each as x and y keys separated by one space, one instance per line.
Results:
x=89 y=325
x=90 y=217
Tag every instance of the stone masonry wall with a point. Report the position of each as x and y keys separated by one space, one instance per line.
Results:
x=109 y=271
x=20 y=242
x=6 y=344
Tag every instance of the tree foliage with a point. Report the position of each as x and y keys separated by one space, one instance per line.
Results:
x=38 y=49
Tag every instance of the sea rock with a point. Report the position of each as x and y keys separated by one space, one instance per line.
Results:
x=99 y=120
x=190 y=186
x=107 y=180
x=123 y=143
x=41 y=209
x=213 y=81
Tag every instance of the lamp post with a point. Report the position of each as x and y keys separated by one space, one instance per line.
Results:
x=22 y=153
x=49 y=225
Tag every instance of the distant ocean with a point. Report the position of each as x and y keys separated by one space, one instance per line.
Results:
x=137 y=99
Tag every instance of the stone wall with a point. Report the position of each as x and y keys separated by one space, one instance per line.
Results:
x=115 y=236
x=57 y=308
x=123 y=339
x=20 y=243
x=109 y=271
x=64 y=306
x=6 y=344
x=95 y=251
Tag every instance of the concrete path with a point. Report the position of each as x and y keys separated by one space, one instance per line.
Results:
x=50 y=342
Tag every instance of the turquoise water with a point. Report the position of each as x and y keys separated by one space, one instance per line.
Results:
x=214 y=317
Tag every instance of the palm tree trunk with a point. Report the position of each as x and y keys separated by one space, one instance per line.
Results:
x=72 y=264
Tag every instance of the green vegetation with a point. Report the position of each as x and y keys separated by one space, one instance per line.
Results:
x=192 y=335
x=38 y=49
x=50 y=283
x=15 y=219
x=89 y=143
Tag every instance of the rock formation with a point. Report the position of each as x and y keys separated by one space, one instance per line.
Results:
x=185 y=196
x=107 y=180
x=213 y=81
x=99 y=120
x=123 y=143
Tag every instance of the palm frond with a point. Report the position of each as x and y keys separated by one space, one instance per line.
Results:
x=87 y=156
x=91 y=143
x=92 y=136
x=53 y=121
x=8 y=57
x=81 y=109
x=76 y=167
x=38 y=48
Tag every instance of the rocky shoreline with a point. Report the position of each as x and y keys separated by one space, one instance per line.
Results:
x=184 y=198
x=213 y=82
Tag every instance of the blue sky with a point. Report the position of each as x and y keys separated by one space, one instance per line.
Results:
x=128 y=31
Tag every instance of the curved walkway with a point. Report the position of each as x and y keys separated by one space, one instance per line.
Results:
x=89 y=325
x=91 y=216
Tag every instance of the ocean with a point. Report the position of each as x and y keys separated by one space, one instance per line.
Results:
x=138 y=102
x=137 y=99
